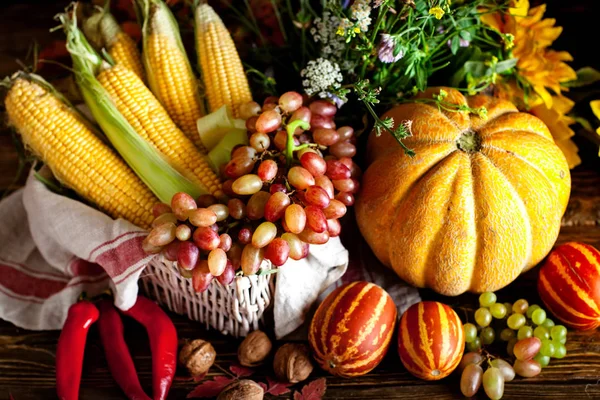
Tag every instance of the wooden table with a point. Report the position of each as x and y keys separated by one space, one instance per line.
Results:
x=27 y=357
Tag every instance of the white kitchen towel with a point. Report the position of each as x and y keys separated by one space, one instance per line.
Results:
x=54 y=248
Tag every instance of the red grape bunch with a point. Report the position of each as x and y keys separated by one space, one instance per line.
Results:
x=286 y=190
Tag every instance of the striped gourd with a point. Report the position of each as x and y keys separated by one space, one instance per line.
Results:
x=430 y=340
x=351 y=330
x=150 y=120
x=569 y=285
x=222 y=70
x=60 y=137
x=170 y=75
x=103 y=30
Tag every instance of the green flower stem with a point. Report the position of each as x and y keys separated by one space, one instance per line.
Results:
x=290 y=147
x=378 y=121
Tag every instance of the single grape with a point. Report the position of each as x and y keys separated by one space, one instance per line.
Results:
x=493 y=383
x=346 y=185
x=560 y=351
x=548 y=323
x=298 y=248
x=228 y=274
x=507 y=334
x=527 y=369
x=335 y=209
x=238 y=166
x=255 y=209
x=277 y=187
x=243 y=152
x=237 y=208
x=270 y=106
x=325 y=137
x=264 y=234
x=171 y=250
x=542 y=360
x=510 y=347
x=508 y=373
x=217 y=261
x=312 y=237
x=473 y=357
x=325 y=183
x=245 y=235
x=541 y=333
x=346 y=198
x=280 y=140
x=295 y=218
x=277 y=252
x=538 y=316
x=301 y=114
x=334 y=227
x=531 y=309
x=201 y=276
x=271 y=100
x=345 y=132
x=317 y=196
x=314 y=163
x=161 y=208
x=187 y=255
x=183 y=232
x=220 y=210
x=300 y=178
x=206 y=238
x=268 y=121
x=508 y=308
x=558 y=332
x=251 y=259
x=249 y=109
x=276 y=206
x=525 y=349
x=336 y=170
x=475 y=345
x=226 y=242
x=267 y=170
x=315 y=219
x=562 y=340
x=318 y=121
x=547 y=348
x=247 y=184
x=163 y=219
x=483 y=317
x=520 y=306
x=515 y=321
x=343 y=149
x=470 y=331
x=323 y=107
x=228 y=188
x=251 y=124
x=487 y=299
x=470 y=380
x=525 y=332
x=202 y=217
x=260 y=141
x=182 y=203
x=289 y=101
x=498 y=310
x=487 y=335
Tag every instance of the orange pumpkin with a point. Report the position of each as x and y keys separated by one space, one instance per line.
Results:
x=569 y=285
x=431 y=340
x=352 y=328
x=479 y=203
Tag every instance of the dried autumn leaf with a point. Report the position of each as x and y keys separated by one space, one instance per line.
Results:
x=312 y=391
x=210 y=388
x=241 y=372
x=275 y=387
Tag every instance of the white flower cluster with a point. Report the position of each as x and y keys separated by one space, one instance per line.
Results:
x=319 y=76
x=361 y=13
x=324 y=31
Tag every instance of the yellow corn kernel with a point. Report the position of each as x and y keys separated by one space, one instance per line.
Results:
x=222 y=70
x=78 y=158
x=150 y=120
x=124 y=51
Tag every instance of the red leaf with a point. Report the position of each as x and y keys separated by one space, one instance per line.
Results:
x=200 y=377
x=312 y=391
x=263 y=386
x=212 y=388
x=241 y=372
x=277 y=388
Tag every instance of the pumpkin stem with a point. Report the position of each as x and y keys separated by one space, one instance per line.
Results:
x=469 y=142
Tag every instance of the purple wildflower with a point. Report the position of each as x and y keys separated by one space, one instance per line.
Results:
x=387 y=51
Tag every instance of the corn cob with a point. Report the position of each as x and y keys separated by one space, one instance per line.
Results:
x=150 y=120
x=59 y=136
x=103 y=30
x=170 y=75
x=222 y=70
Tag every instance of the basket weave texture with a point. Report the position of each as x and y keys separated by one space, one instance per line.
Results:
x=233 y=310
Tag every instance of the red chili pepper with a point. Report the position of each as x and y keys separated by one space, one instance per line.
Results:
x=70 y=349
x=163 y=343
x=117 y=354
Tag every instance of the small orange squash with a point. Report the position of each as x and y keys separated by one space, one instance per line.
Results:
x=569 y=285
x=480 y=203
x=352 y=328
x=431 y=340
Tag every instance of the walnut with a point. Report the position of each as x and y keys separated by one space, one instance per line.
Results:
x=254 y=349
x=292 y=363
x=197 y=356
x=242 y=390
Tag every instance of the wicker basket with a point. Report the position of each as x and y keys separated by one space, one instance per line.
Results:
x=233 y=310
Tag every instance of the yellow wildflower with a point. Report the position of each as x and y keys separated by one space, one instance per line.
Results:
x=595 y=105
x=557 y=121
x=437 y=12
